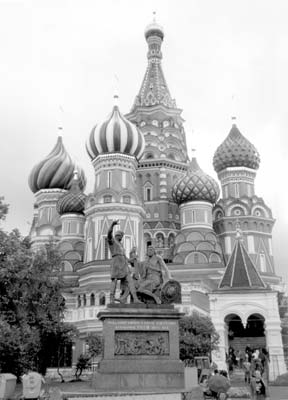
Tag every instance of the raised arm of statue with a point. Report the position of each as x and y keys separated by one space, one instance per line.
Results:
x=110 y=231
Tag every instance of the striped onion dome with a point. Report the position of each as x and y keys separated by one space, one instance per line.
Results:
x=74 y=200
x=115 y=135
x=195 y=185
x=236 y=151
x=55 y=171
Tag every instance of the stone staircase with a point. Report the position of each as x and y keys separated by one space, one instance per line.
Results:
x=240 y=343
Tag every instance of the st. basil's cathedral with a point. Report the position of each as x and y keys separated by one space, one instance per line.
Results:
x=218 y=247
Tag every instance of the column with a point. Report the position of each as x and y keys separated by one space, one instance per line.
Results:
x=219 y=355
x=274 y=346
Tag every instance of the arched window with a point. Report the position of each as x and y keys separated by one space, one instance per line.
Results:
x=102 y=299
x=148 y=193
x=107 y=198
x=79 y=301
x=127 y=199
x=160 y=240
x=92 y=299
x=148 y=240
x=171 y=240
x=84 y=300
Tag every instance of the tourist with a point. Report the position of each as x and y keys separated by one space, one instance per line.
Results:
x=230 y=363
x=237 y=358
x=258 y=388
x=241 y=358
x=247 y=370
x=255 y=354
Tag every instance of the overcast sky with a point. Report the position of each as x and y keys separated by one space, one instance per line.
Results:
x=65 y=54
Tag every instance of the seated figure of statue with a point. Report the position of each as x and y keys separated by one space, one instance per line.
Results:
x=150 y=276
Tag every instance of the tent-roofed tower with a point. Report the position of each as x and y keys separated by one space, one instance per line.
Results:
x=240 y=272
x=165 y=156
x=236 y=162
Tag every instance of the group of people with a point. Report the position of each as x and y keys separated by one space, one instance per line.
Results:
x=254 y=363
x=248 y=360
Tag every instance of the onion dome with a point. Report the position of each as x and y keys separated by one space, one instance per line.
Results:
x=55 y=171
x=154 y=29
x=236 y=151
x=72 y=201
x=115 y=135
x=195 y=185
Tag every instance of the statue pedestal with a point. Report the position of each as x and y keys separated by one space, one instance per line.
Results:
x=141 y=349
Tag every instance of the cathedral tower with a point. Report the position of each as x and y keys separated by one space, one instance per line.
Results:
x=114 y=146
x=236 y=161
x=49 y=180
x=165 y=157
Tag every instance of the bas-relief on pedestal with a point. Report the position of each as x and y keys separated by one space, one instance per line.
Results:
x=141 y=349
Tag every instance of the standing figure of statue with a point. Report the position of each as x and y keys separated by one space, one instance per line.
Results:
x=119 y=265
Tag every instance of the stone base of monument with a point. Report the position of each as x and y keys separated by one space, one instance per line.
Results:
x=122 y=396
x=141 y=350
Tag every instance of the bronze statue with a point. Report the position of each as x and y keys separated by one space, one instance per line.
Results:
x=153 y=274
x=119 y=266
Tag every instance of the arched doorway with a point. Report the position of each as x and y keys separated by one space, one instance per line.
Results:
x=251 y=335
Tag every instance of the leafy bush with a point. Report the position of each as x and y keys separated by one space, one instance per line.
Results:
x=197 y=337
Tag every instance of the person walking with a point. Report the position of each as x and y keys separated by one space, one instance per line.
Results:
x=247 y=370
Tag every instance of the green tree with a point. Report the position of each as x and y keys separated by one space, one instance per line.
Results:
x=31 y=305
x=197 y=337
x=3 y=208
x=95 y=345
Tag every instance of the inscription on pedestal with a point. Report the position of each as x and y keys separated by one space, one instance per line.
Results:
x=143 y=325
x=153 y=343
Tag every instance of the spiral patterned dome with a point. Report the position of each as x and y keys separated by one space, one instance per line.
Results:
x=72 y=201
x=236 y=151
x=115 y=135
x=195 y=185
x=55 y=171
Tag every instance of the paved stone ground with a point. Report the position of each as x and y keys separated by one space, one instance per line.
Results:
x=278 y=392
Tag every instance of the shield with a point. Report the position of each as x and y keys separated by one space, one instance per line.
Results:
x=171 y=292
x=219 y=384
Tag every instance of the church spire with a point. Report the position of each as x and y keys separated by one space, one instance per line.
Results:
x=241 y=272
x=154 y=89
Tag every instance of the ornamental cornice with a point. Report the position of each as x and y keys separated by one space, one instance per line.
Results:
x=244 y=218
x=48 y=195
x=237 y=179
x=231 y=170
x=115 y=208
x=109 y=160
x=233 y=233
x=140 y=111
x=144 y=164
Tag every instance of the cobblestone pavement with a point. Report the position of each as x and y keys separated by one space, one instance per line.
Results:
x=278 y=392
